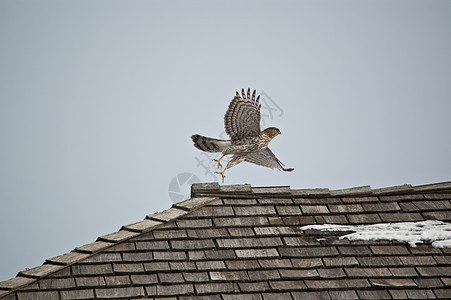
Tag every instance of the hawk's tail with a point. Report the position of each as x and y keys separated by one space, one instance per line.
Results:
x=209 y=144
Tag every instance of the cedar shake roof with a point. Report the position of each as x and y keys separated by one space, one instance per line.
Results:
x=243 y=242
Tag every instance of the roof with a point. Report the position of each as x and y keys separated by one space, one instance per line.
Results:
x=243 y=242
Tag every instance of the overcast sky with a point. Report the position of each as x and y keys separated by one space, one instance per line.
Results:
x=98 y=100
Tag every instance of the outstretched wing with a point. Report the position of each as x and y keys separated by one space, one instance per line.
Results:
x=266 y=158
x=242 y=119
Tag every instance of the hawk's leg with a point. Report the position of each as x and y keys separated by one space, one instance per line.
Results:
x=219 y=165
x=233 y=162
x=222 y=173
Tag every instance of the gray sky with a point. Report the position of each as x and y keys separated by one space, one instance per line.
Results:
x=98 y=100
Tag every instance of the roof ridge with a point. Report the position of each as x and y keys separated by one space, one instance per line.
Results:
x=126 y=232
x=246 y=190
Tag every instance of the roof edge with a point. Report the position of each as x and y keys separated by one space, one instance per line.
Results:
x=126 y=232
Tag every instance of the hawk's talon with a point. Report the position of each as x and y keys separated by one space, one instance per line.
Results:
x=219 y=163
x=222 y=173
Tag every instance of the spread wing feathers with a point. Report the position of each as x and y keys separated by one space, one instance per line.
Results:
x=242 y=118
x=266 y=158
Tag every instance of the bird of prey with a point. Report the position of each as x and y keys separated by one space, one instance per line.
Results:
x=247 y=142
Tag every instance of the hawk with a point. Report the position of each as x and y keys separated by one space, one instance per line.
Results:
x=247 y=142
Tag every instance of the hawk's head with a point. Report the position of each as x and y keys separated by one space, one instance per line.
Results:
x=271 y=132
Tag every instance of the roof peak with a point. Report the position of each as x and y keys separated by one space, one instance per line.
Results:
x=243 y=190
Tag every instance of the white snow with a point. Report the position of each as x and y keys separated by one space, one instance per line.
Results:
x=437 y=232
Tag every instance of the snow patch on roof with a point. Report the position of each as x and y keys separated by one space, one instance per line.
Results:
x=437 y=232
